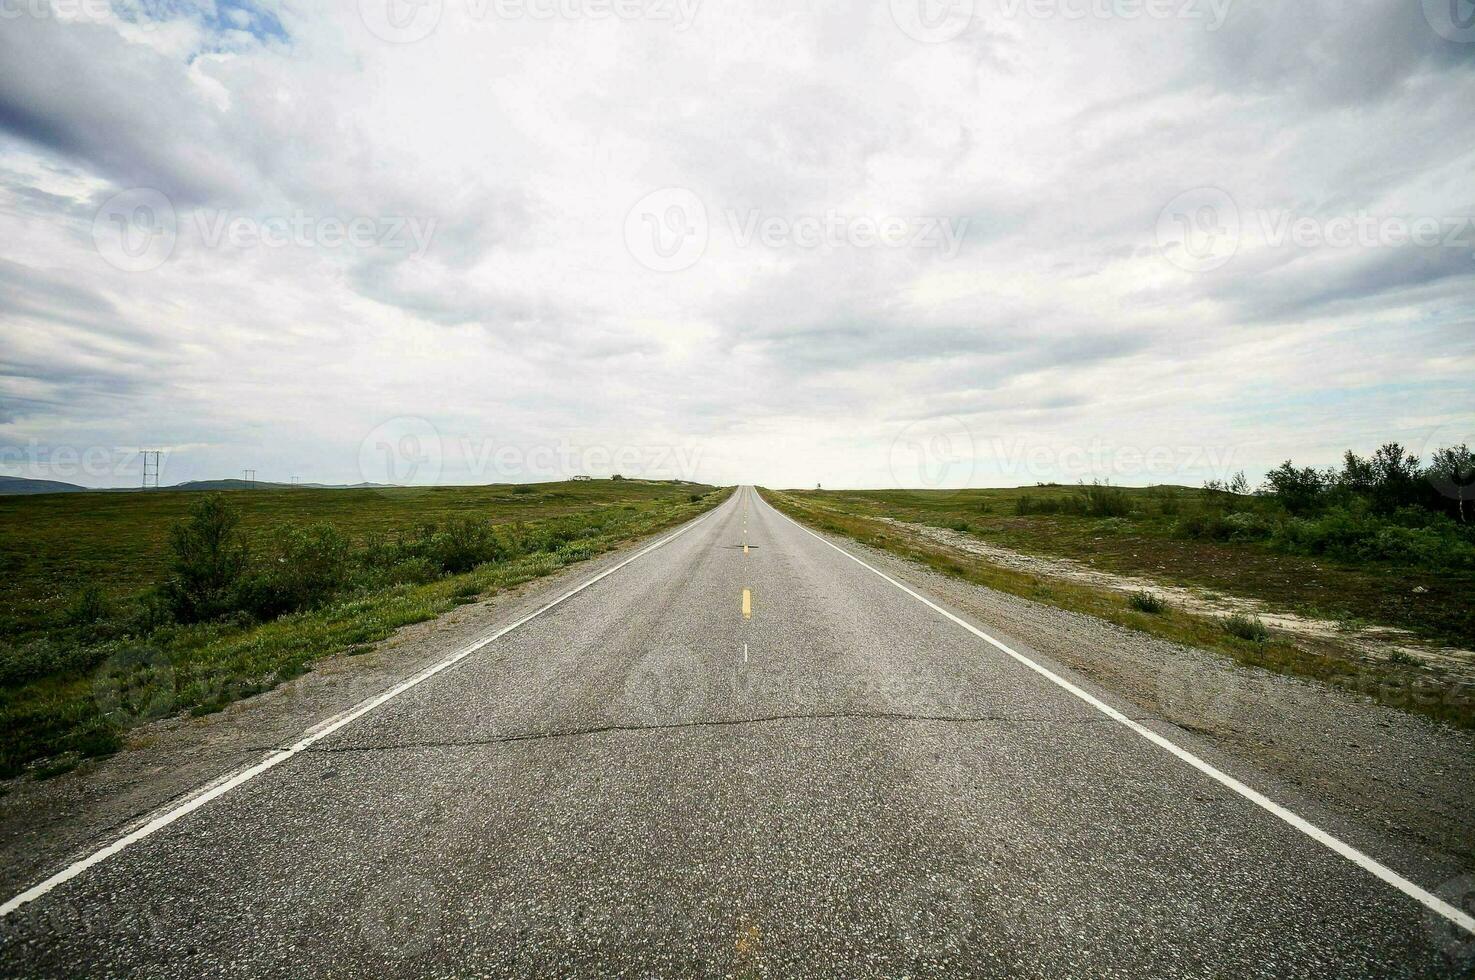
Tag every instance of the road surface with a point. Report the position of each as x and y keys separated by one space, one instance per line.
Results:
x=742 y=753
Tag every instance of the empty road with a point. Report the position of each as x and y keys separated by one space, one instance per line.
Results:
x=741 y=753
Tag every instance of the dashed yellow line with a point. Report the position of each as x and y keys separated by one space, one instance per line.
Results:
x=747 y=604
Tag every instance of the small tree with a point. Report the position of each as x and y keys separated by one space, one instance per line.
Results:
x=1300 y=491
x=1397 y=477
x=209 y=559
x=1452 y=471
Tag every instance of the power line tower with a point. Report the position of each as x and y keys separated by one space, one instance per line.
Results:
x=250 y=477
x=151 y=467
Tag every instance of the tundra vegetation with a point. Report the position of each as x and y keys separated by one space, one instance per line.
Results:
x=121 y=608
x=1386 y=539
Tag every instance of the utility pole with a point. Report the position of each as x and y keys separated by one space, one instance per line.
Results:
x=250 y=477
x=150 y=467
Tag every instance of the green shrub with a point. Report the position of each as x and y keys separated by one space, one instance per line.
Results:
x=962 y=526
x=1147 y=602
x=1204 y=526
x=1246 y=526
x=1245 y=627
x=209 y=558
x=87 y=607
x=463 y=544
x=524 y=488
x=308 y=566
x=1300 y=491
x=1026 y=504
x=1104 y=500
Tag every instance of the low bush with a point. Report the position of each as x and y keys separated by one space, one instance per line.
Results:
x=1104 y=500
x=87 y=607
x=1244 y=627
x=462 y=545
x=307 y=567
x=209 y=559
x=1147 y=602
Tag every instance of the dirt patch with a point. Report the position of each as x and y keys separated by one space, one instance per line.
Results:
x=1371 y=644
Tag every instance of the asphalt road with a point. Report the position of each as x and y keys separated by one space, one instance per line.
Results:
x=718 y=760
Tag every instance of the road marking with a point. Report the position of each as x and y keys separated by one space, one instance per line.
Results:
x=218 y=788
x=747 y=604
x=1426 y=898
x=745 y=653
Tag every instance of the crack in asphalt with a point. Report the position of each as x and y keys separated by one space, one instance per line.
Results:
x=713 y=723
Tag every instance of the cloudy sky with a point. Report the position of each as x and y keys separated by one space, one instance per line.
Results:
x=772 y=241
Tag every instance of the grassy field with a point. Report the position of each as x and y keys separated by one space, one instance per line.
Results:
x=1146 y=538
x=91 y=642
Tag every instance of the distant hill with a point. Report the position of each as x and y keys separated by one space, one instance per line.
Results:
x=228 y=485
x=13 y=485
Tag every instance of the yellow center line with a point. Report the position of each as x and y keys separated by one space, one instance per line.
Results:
x=747 y=604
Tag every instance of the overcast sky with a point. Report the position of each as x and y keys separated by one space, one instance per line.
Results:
x=768 y=241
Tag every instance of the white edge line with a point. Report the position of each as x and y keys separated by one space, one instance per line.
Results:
x=225 y=784
x=1424 y=897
